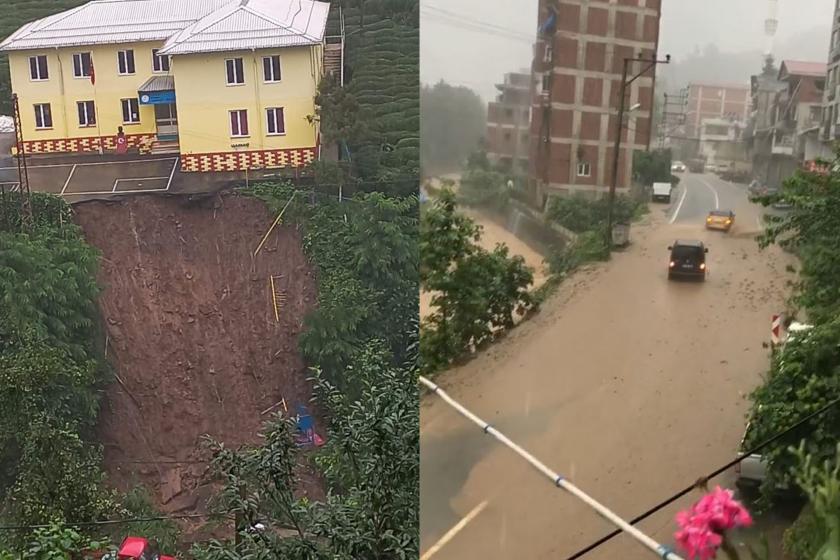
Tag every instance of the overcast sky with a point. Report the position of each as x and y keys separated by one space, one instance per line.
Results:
x=466 y=42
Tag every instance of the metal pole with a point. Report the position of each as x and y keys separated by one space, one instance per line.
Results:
x=616 y=151
x=661 y=550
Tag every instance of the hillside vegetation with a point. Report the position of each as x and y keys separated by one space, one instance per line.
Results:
x=377 y=115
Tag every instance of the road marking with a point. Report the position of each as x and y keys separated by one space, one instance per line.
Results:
x=454 y=531
x=93 y=163
x=172 y=173
x=714 y=192
x=91 y=193
x=67 y=182
x=679 y=205
x=136 y=180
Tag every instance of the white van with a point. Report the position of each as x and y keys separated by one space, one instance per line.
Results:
x=662 y=192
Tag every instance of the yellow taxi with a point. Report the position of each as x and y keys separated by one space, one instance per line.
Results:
x=720 y=219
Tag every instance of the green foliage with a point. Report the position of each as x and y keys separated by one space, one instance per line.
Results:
x=810 y=229
x=590 y=246
x=379 y=109
x=137 y=504
x=804 y=377
x=580 y=213
x=48 y=290
x=816 y=533
x=476 y=292
x=370 y=462
x=483 y=184
x=453 y=121
x=55 y=542
x=49 y=372
x=366 y=256
x=652 y=167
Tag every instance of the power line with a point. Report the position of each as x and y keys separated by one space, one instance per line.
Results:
x=558 y=480
x=106 y=522
x=711 y=475
x=477 y=26
x=462 y=18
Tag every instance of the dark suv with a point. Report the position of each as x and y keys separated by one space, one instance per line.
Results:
x=688 y=259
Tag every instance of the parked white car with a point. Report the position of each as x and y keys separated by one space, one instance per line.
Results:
x=662 y=192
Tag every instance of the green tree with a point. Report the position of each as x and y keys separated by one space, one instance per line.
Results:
x=370 y=462
x=476 y=292
x=804 y=377
x=453 y=122
x=810 y=229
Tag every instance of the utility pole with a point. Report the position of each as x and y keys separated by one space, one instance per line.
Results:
x=619 y=128
x=26 y=219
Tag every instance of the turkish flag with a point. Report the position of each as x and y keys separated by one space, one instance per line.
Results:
x=92 y=73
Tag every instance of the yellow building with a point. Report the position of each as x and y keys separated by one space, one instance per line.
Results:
x=228 y=84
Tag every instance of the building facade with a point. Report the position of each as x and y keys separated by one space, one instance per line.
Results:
x=227 y=84
x=831 y=96
x=787 y=120
x=577 y=71
x=715 y=101
x=509 y=123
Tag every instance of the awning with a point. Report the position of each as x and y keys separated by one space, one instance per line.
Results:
x=157 y=90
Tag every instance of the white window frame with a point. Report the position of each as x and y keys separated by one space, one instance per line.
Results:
x=233 y=61
x=271 y=116
x=88 y=115
x=40 y=113
x=546 y=82
x=127 y=104
x=549 y=52
x=159 y=61
x=239 y=123
x=584 y=169
x=122 y=56
x=80 y=56
x=274 y=79
x=45 y=69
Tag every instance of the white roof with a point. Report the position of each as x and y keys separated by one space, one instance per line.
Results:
x=253 y=24
x=185 y=25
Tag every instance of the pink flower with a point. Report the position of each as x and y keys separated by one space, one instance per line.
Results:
x=702 y=527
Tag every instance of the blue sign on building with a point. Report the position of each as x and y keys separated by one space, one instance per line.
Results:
x=157 y=97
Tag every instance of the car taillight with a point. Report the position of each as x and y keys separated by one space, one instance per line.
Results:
x=672 y=264
x=702 y=266
x=728 y=221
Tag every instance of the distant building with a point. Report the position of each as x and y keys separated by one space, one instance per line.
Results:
x=715 y=101
x=577 y=73
x=831 y=95
x=509 y=122
x=227 y=84
x=721 y=144
x=784 y=129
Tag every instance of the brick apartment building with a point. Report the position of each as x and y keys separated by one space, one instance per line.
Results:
x=577 y=71
x=715 y=101
x=509 y=122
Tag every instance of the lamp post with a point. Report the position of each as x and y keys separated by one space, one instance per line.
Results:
x=620 y=125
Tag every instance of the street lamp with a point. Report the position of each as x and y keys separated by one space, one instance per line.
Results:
x=619 y=125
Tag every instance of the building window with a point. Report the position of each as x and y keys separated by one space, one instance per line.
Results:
x=509 y=112
x=549 y=54
x=235 y=71
x=38 y=70
x=507 y=136
x=239 y=123
x=125 y=62
x=546 y=82
x=81 y=65
x=43 y=116
x=87 y=113
x=276 y=121
x=271 y=68
x=160 y=62
x=131 y=111
x=584 y=169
